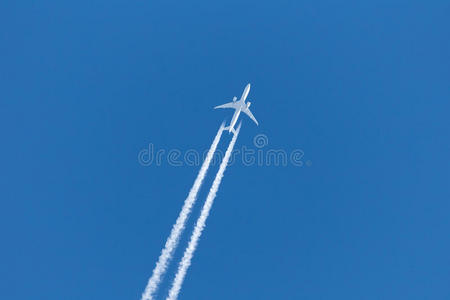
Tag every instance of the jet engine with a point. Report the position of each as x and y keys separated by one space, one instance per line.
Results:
x=248 y=104
x=234 y=99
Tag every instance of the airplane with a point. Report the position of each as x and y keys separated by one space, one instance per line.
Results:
x=239 y=106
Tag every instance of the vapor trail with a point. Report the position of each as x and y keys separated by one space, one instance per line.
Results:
x=200 y=225
x=178 y=227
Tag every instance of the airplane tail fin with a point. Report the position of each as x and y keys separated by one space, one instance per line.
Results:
x=232 y=130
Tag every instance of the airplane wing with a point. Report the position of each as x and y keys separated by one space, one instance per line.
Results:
x=227 y=105
x=249 y=113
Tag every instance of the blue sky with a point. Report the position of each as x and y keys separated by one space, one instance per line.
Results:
x=361 y=87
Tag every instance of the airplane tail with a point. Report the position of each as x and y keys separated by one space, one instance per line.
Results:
x=230 y=130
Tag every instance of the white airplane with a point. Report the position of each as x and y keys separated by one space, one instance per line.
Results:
x=239 y=106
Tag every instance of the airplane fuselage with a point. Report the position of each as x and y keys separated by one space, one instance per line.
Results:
x=245 y=93
x=242 y=105
x=238 y=106
x=236 y=114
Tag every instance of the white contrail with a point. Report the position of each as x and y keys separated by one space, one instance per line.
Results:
x=200 y=225
x=178 y=227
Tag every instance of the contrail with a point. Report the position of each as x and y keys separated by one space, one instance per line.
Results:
x=200 y=225
x=178 y=227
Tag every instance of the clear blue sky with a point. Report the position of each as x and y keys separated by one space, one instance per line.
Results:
x=362 y=87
